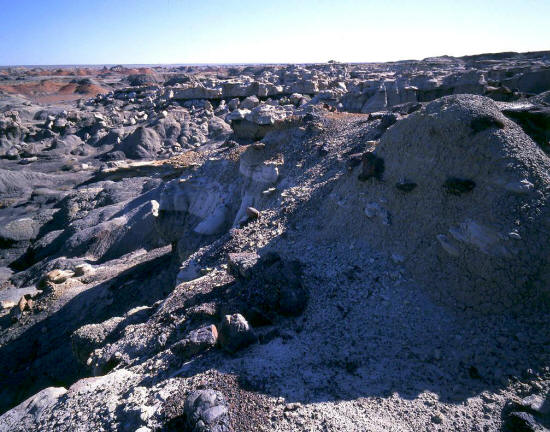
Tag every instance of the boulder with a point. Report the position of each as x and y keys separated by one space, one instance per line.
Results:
x=235 y=333
x=206 y=411
x=196 y=342
x=250 y=102
x=143 y=143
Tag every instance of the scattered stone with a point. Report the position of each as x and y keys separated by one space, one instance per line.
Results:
x=269 y=191
x=437 y=419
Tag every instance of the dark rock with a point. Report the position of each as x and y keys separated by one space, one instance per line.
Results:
x=252 y=213
x=407 y=108
x=206 y=411
x=457 y=186
x=405 y=185
x=142 y=143
x=113 y=156
x=90 y=337
x=323 y=150
x=235 y=333
x=373 y=167
x=388 y=119
x=137 y=80
x=196 y=342
x=474 y=373
x=522 y=422
x=535 y=121
x=354 y=160
x=229 y=143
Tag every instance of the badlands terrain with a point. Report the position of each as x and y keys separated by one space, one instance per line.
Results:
x=320 y=247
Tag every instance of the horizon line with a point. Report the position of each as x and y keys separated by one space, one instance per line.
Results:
x=270 y=63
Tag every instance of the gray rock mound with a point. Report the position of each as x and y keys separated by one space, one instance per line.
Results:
x=470 y=227
x=143 y=143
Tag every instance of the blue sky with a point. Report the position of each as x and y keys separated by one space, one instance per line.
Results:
x=229 y=31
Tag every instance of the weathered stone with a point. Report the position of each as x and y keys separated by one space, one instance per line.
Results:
x=196 y=342
x=56 y=277
x=206 y=411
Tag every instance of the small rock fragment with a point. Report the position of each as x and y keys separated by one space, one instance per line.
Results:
x=58 y=276
x=252 y=213
x=405 y=185
x=22 y=305
x=447 y=245
x=269 y=191
x=519 y=187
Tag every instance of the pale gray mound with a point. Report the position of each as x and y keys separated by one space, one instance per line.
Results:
x=143 y=143
x=464 y=201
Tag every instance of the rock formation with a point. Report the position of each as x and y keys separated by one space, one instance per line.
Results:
x=276 y=247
